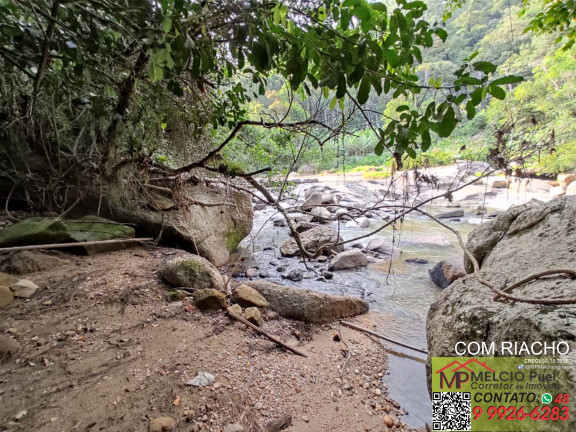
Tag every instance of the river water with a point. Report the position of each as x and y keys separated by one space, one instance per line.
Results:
x=400 y=292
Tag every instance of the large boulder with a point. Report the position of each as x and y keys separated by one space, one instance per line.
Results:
x=383 y=246
x=246 y=296
x=23 y=262
x=571 y=189
x=312 y=190
x=522 y=241
x=192 y=271
x=348 y=260
x=447 y=271
x=320 y=214
x=308 y=305
x=212 y=231
x=93 y=228
x=312 y=201
x=34 y=231
x=312 y=240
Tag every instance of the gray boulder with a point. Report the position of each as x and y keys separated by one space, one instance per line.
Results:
x=210 y=231
x=307 y=305
x=313 y=240
x=522 y=241
x=300 y=227
x=312 y=190
x=23 y=262
x=34 y=231
x=383 y=246
x=94 y=228
x=447 y=271
x=312 y=201
x=192 y=271
x=450 y=213
x=348 y=260
x=320 y=214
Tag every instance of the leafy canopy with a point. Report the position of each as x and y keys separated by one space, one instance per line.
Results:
x=114 y=57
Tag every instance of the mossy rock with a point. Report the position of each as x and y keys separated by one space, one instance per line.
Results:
x=194 y=272
x=209 y=299
x=34 y=231
x=92 y=228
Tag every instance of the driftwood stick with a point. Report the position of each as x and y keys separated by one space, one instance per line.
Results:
x=262 y=332
x=76 y=244
x=362 y=329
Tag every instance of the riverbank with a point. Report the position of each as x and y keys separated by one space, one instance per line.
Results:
x=103 y=348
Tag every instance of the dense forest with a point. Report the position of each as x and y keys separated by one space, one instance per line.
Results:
x=100 y=91
x=536 y=119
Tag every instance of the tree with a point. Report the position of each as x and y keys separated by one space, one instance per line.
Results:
x=92 y=88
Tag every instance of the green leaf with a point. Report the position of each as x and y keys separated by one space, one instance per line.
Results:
x=155 y=72
x=166 y=24
x=333 y=103
x=259 y=57
x=485 y=67
x=447 y=124
x=476 y=96
x=380 y=7
x=364 y=91
x=362 y=12
x=393 y=58
x=341 y=91
x=379 y=149
x=411 y=152
x=510 y=79
x=241 y=60
x=426 y=139
x=402 y=108
x=497 y=92
x=442 y=34
x=470 y=110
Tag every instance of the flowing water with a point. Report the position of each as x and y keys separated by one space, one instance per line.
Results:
x=400 y=292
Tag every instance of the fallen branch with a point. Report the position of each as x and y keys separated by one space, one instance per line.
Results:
x=362 y=329
x=76 y=244
x=262 y=332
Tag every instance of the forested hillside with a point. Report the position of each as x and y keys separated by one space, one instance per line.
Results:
x=535 y=120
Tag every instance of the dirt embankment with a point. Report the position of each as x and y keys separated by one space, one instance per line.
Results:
x=102 y=348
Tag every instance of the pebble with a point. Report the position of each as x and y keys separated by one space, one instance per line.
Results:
x=389 y=421
x=306 y=419
x=20 y=415
x=251 y=272
x=203 y=379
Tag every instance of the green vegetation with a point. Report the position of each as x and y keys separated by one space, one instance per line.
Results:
x=101 y=93
x=537 y=118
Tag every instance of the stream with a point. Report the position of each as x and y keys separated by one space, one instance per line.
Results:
x=400 y=292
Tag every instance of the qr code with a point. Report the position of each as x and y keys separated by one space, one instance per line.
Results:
x=451 y=411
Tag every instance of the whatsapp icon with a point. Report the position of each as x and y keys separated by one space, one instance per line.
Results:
x=546 y=398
